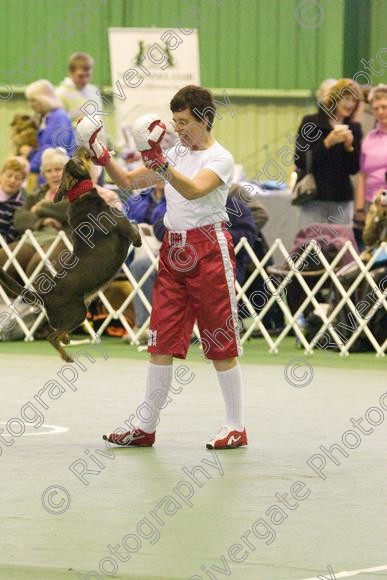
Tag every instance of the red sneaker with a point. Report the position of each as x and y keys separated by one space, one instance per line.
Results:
x=132 y=438
x=228 y=438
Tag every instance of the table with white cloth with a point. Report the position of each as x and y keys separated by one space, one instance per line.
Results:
x=283 y=217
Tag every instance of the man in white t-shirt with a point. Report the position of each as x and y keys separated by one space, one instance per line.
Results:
x=196 y=276
x=76 y=89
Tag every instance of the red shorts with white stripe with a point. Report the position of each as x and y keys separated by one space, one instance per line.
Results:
x=195 y=282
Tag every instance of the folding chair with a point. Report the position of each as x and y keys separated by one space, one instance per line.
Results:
x=328 y=240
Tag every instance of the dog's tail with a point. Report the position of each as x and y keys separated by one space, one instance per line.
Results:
x=11 y=286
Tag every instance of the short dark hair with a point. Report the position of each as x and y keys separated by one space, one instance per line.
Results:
x=198 y=100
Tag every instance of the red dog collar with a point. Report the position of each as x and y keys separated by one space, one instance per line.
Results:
x=79 y=189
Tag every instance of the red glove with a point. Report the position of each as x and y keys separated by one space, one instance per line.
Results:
x=88 y=137
x=148 y=132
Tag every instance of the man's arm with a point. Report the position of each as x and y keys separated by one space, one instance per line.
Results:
x=360 y=191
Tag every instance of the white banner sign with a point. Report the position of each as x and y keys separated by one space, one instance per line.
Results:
x=148 y=66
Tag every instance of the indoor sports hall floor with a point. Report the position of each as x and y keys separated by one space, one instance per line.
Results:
x=141 y=497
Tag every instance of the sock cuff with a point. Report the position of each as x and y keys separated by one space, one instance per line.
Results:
x=229 y=371
x=153 y=365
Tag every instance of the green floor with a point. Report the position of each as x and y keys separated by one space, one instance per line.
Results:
x=342 y=522
x=256 y=351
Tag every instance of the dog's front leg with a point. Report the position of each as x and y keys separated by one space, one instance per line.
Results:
x=130 y=231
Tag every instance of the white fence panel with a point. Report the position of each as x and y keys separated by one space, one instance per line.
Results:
x=276 y=294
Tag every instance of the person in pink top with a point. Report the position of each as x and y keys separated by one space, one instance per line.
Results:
x=373 y=159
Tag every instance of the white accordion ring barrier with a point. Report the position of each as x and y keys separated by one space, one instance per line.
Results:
x=276 y=293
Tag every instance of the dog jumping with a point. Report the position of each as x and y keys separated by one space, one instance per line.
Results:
x=95 y=263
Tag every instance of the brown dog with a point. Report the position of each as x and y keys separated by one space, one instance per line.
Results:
x=375 y=229
x=93 y=263
x=24 y=131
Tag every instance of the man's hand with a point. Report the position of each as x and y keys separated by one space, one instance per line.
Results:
x=334 y=137
x=359 y=218
x=25 y=150
x=52 y=222
x=348 y=143
x=88 y=137
x=35 y=208
x=148 y=132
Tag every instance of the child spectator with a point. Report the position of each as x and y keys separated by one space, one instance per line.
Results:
x=12 y=175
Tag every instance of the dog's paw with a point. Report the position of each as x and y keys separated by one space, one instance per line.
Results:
x=135 y=235
x=66 y=357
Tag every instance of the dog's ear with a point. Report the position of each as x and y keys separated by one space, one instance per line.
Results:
x=61 y=192
x=83 y=160
x=84 y=154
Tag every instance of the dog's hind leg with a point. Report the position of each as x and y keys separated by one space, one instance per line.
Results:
x=12 y=287
x=65 y=339
x=55 y=338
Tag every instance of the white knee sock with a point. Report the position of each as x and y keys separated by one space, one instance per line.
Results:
x=231 y=385
x=158 y=383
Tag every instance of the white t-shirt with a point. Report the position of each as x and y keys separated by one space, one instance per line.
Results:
x=184 y=214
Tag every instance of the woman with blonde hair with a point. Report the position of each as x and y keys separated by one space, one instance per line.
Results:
x=54 y=123
x=328 y=146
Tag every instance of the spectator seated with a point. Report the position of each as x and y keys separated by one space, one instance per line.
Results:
x=12 y=175
x=54 y=125
x=147 y=209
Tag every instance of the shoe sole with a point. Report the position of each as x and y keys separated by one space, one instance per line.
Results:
x=105 y=438
x=208 y=446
